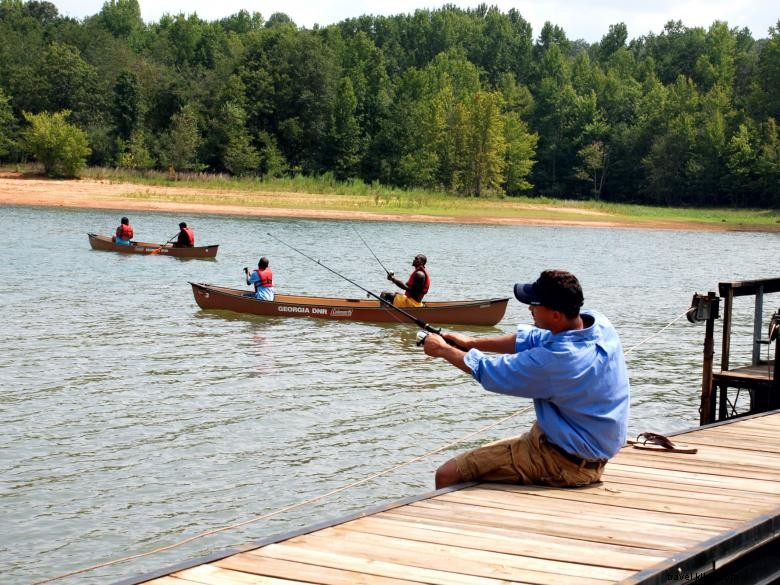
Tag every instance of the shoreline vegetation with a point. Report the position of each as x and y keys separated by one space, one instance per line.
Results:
x=325 y=198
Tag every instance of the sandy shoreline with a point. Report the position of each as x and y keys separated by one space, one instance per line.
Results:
x=16 y=189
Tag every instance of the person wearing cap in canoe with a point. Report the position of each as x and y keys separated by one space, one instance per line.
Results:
x=570 y=362
x=415 y=288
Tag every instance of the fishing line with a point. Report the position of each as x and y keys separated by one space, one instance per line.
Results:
x=419 y=322
x=372 y=252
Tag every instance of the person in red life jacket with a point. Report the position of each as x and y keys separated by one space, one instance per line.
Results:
x=186 y=237
x=124 y=233
x=415 y=288
x=262 y=279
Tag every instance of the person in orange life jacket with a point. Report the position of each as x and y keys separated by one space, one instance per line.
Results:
x=262 y=279
x=415 y=287
x=124 y=233
x=186 y=237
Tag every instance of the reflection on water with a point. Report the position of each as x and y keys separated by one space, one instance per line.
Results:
x=131 y=419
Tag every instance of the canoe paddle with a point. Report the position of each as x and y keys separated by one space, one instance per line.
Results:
x=372 y=252
x=419 y=322
x=158 y=250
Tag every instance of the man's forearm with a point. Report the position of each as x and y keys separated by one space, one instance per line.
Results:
x=455 y=357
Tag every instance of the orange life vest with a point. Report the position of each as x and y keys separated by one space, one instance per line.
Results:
x=190 y=236
x=266 y=278
x=124 y=231
x=414 y=293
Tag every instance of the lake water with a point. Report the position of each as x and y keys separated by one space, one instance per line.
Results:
x=131 y=419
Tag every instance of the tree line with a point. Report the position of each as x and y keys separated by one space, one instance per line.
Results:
x=461 y=100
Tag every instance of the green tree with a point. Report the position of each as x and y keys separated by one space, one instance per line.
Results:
x=520 y=154
x=69 y=83
x=612 y=42
x=595 y=157
x=61 y=147
x=121 y=18
x=485 y=145
x=239 y=157
x=126 y=104
x=8 y=126
x=180 y=143
x=345 y=133
x=135 y=154
x=272 y=161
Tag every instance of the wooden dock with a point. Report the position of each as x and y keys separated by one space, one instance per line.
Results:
x=657 y=517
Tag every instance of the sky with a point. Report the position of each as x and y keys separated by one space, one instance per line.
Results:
x=587 y=20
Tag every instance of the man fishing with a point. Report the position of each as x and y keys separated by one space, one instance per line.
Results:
x=571 y=364
x=415 y=288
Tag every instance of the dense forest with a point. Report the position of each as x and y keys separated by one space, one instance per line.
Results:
x=466 y=101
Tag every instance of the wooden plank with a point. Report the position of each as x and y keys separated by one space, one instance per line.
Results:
x=636 y=508
x=762 y=448
x=689 y=481
x=506 y=541
x=372 y=566
x=596 y=529
x=308 y=573
x=662 y=491
x=215 y=575
x=743 y=461
x=658 y=461
x=701 y=479
x=770 y=421
x=520 y=531
x=461 y=560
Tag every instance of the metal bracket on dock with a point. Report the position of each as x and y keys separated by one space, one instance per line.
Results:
x=703 y=307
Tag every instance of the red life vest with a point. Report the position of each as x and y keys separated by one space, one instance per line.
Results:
x=413 y=293
x=124 y=231
x=190 y=236
x=266 y=278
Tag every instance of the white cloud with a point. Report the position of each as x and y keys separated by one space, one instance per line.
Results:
x=587 y=20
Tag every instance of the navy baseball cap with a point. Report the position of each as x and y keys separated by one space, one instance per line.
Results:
x=555 y=289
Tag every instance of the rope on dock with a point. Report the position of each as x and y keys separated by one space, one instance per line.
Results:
x=664 y=328
x=325 y=495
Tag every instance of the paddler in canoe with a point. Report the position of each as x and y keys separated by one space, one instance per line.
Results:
x=262 y=279
x=124 y=233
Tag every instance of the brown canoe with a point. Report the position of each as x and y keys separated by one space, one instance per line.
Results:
x=104 y=243
x=480 y=312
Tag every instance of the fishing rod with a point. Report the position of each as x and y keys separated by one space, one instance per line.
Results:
x=419 y=322
x=372 y=252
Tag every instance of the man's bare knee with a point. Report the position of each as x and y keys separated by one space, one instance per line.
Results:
x=448 y=475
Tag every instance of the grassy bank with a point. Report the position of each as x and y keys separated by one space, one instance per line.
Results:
x=328 y=194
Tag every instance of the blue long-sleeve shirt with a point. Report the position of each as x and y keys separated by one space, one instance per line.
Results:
x=577 y=380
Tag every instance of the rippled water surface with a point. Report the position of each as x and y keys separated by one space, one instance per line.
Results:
x=131 y=419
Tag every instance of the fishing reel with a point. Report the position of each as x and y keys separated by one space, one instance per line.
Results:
x=421 y=335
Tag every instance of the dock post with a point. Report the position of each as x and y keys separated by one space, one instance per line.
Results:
x=707 y=404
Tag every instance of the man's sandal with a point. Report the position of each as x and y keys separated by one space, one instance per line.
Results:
x=656 y=442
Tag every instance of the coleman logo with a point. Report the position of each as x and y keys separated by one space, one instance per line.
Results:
x=341 y=313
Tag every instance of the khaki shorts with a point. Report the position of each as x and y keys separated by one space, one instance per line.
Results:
x=526 y=459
